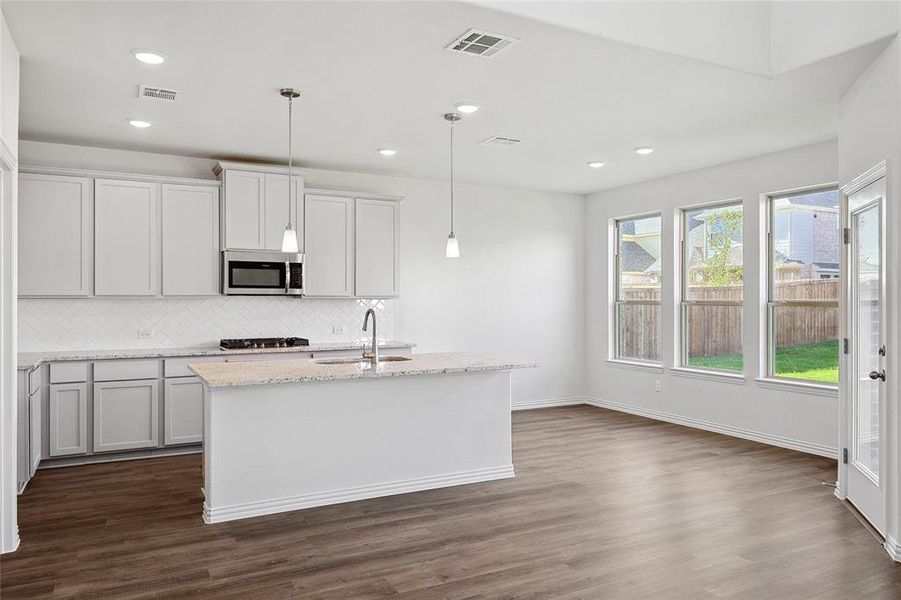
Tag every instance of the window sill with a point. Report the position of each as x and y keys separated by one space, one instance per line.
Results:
x=635 y=365
x=818 y=389
x=734 y=378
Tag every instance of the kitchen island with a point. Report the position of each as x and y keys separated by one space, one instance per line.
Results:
x=294 y=434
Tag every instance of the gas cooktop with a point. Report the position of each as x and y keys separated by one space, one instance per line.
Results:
x=249 y=343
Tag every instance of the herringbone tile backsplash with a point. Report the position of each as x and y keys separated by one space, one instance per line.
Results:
x=98 y=323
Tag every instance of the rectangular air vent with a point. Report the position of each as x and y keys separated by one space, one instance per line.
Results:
x=500 y=141
x=480 y=43
x=148 y=92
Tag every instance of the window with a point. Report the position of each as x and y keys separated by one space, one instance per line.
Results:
x=637 y=289
x=712 y=287
x=803 y=287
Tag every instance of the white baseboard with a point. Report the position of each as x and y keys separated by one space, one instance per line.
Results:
x=748 y=434
x=549 y=402
x=267 y=507
x=893 y=547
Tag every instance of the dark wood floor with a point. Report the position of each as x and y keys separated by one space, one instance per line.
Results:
x=604 y=505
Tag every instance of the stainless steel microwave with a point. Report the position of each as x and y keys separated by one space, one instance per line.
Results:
x=261 y=273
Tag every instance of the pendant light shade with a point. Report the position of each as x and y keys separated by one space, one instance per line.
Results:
x=452 y=249
x=289 y=238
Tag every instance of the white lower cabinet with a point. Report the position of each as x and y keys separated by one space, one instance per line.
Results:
x=126 y=415
x=68 y=414
x=183 y=409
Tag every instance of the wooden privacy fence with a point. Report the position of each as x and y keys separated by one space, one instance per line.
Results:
x=717 y=330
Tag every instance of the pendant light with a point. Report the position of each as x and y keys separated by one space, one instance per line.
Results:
x=289 y=239
x=452 y=249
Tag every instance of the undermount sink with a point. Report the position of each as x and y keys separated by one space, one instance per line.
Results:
x=353 y=359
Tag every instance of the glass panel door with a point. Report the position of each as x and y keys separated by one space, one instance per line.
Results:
x=865 y=391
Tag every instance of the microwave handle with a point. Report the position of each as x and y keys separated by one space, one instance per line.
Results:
x=287 y=277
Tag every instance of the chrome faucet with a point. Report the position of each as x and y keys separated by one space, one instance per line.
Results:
x=375 y=341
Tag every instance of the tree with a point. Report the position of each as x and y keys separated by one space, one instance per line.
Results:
x=721 y=230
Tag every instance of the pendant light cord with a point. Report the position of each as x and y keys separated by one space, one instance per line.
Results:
x=290 y=153
x=452 y=177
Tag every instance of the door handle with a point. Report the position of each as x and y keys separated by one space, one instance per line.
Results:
x=878 y=374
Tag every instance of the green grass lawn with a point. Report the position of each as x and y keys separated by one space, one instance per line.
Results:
x=814 y=362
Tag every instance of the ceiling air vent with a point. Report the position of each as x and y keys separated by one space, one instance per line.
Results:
x=480 y=43
x=500 y=141
x=157 y=93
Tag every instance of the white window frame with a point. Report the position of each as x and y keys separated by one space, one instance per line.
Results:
x=616 y=302
x=768 y=356
x=684 y=303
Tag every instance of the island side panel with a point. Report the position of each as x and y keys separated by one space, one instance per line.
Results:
x=276 y=448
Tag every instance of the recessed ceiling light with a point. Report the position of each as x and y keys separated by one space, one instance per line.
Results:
x=466 y=107
x=387 y=152
x=644 y=150
x=140 y=124
x=149 y=57
x=596 y=164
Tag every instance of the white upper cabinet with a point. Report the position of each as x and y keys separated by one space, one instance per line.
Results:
x=256 y=208
x=376 y=248
x=126 y=238
x=244 y=194
x=276 y=210
x=55 y=235
x=329 y=247
x=190 y=220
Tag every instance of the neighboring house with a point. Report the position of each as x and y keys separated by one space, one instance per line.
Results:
x=639 y=253
x=806 y=236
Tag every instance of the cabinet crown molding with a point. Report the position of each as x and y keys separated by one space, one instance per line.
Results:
x=93 y=174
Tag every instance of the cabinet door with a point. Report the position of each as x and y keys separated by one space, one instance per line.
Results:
x=329 y=247
x=23 y=444
x=276 y=210
x=244 y=202
x=35 y=413
x=376 y=244
x=56 y=221
x=183 y=406
x=126 y=238
x=190 y=240
x=68 y=408
x=126 y=415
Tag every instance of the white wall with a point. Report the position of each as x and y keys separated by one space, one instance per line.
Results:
x=9 y=135
x=517 y=290
x=870 y=131
x=800 y=420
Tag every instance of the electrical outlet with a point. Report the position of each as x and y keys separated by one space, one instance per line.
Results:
x=339 y=329
x=657 y=385
x=145 y=334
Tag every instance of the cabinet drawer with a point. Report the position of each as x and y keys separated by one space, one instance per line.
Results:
x=339 y=353
x=178 y=367
x=68 y=372
x=265 y=357
x=120 y=370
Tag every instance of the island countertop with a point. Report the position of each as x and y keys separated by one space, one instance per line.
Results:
x=28 y=360
x=219 y=375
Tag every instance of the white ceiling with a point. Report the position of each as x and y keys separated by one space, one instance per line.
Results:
x=376 y=74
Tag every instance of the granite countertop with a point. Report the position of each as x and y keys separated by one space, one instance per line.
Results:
x=28 y=360
x=222 y=374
